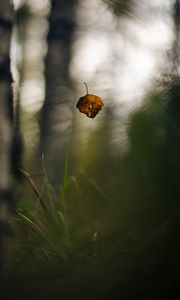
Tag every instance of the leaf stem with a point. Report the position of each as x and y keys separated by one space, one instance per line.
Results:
x=86 y=86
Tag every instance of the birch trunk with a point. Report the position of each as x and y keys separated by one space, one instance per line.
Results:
x=57 y=110
x=6 y=131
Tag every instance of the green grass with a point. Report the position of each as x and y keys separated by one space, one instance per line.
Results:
x=46 y=230
x=42 y=229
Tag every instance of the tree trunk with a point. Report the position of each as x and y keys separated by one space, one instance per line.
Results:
x=6 y=132
x=56 y=118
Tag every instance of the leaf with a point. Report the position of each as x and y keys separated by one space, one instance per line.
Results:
x=89 y=104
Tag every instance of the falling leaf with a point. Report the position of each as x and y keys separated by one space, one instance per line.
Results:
x=89 y=104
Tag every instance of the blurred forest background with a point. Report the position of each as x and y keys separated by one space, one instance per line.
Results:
x=97 y=211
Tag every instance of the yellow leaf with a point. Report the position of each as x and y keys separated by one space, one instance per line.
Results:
x=89 y=104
